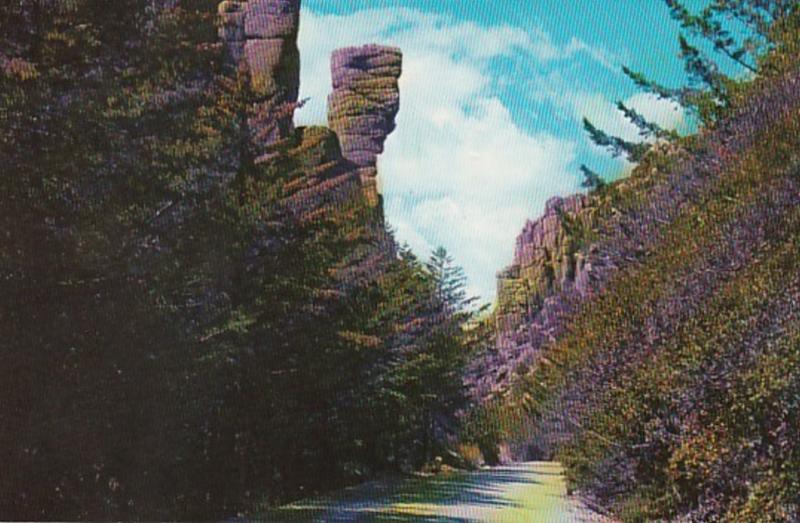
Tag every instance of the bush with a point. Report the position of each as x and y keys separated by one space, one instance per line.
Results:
x=471 y=455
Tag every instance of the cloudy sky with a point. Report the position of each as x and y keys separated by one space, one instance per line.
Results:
x=492 y=97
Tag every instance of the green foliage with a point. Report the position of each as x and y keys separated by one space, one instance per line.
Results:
x=741 y=31
x=750 y=33
x=646 y=128
x=591 y=179
x=183 y=339
x=617 y=146
x=692 y=408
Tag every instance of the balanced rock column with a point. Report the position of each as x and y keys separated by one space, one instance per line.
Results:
x=260 y=36
x=363 y=105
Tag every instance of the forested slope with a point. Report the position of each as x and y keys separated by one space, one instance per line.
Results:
x=664 y=373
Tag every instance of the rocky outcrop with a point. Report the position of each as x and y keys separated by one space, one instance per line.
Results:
x=553 y=267
x=339 y=164
x=260 y=37
x=547 y=259
x=363 y=105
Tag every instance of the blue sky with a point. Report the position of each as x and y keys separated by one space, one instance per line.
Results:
x=492 y=97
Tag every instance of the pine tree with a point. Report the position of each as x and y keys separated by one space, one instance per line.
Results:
x=633 y=152
x=709 y=92
x=591 y=179
x=719 y=25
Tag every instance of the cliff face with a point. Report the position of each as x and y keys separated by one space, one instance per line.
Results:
x=260 y=37
x=549 y=260
x=546 y=259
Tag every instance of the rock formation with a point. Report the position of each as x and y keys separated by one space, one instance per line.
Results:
x=552 y=268
x=260 y=36
x=546 y=259
x=339 y=163
x=363 y=105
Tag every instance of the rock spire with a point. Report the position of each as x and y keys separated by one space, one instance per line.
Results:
x=363 y=105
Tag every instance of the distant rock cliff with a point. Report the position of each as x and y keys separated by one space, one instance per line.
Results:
x=546 y=259
x=549 y=261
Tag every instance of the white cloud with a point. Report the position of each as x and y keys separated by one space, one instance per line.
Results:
x=457 y=171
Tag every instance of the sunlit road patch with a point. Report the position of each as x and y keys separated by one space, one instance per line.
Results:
x=525 y=492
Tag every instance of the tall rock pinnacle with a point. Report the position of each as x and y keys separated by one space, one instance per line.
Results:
x=363 y=105
x=261 y=37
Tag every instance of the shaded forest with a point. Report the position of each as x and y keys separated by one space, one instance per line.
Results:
x=186 y=331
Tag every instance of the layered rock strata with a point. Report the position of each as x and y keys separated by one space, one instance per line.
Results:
x=363 y=105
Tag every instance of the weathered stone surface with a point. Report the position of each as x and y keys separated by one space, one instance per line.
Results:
x=231 y=25
x=365 y=100
x=260 y=37
x=329 y=181
x=231 y=31
x=545 y=257
x=271 y=63
x=272 y=19
x=547 y=260
x=547 y=233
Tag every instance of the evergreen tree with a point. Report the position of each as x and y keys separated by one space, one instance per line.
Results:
x=741 y=31
x=710 y=91
x=591 y=179
x=633 y=152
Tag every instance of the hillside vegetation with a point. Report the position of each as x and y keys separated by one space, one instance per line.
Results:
x=672 y=388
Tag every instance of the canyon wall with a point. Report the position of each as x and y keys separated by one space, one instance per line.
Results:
x=552 y=267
